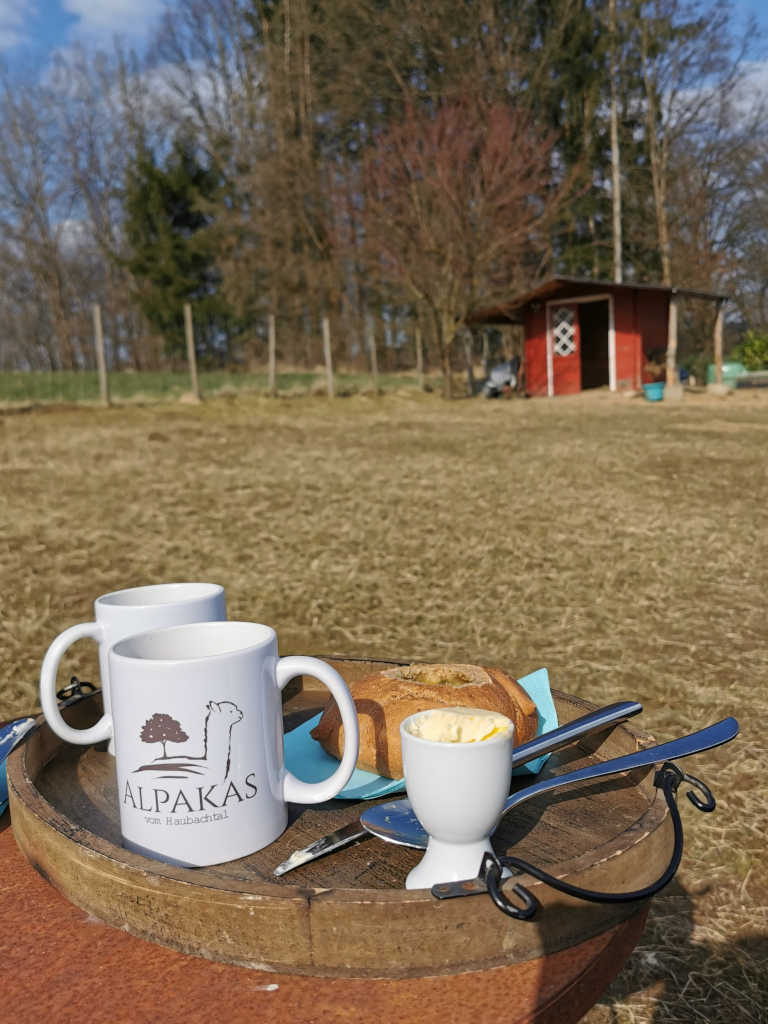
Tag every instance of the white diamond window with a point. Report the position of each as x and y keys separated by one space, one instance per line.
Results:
x=564 y=331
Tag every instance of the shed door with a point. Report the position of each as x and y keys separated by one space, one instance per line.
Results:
x=565 y=348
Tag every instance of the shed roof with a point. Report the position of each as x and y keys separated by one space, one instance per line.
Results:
x=509 y=312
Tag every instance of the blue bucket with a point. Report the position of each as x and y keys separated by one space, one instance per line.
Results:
x=654 y=392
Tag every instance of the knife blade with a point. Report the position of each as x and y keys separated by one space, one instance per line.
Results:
x=547 y=743
x=334 y=841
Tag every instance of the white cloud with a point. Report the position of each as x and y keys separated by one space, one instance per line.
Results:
x=13 y=16
x=756 y=76
x=105 y=18
x=73 y=235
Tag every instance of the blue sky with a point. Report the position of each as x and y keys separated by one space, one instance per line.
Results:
x=30 y=30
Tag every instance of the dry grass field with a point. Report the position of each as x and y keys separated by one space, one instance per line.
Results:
x=621 y=544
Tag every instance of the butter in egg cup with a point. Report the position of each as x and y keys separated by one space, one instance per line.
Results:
x=458 y=770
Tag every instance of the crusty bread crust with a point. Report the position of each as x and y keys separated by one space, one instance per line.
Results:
x=385 y=698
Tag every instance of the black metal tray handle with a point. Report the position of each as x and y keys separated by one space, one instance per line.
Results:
x=668 y=779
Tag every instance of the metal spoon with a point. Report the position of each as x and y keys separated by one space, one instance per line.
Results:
x=395 y=821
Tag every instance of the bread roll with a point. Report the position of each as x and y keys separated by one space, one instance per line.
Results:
x=387 y=697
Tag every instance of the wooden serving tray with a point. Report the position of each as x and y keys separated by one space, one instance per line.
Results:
x=347 y=914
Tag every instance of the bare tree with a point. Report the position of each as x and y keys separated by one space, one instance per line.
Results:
x=748 y=235
x=687 y=64
x=455 y=209
x=95 y=149
x=35 y=208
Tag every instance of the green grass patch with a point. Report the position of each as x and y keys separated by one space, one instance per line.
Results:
x=83 y=386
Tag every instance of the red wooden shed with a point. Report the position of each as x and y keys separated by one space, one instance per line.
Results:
x=583 y=334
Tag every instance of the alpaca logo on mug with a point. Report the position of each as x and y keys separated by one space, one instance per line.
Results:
x=190 y=805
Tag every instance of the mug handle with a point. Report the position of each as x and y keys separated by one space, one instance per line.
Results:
x=294 y=790
x=102 y=730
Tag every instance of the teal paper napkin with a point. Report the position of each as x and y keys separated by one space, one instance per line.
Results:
x=309 y=762
x=536 y=685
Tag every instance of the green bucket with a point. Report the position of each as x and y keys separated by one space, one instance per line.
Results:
x=732 y=372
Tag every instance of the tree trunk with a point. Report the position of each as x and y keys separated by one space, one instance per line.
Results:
x=657 y=154
x=271 y=355
x=673 y=388
x=660 y=199
x=371 y=337
x=595 y=249
x=468 y=356
x=445 y=333
x=419 y=356
x=718 y=338
x=615 y=155
x=62 y=324
x=447 y=374
x=486 y=354
x=327 y=358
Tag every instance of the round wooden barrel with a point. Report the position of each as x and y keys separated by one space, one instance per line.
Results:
x=347 y=915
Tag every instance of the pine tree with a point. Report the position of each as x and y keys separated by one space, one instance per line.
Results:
x=171 y=246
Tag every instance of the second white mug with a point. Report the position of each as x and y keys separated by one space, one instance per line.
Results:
x=117 y=615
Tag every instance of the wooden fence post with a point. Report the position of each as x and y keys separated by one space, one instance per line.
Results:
x=191 y=357
x=272 y=355
x=101 y=361
x=371 y=333
x=327 y=355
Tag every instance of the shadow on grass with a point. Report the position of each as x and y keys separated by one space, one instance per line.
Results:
x=681 y=974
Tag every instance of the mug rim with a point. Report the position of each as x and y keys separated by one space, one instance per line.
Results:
x=203 y=591
x=504 y=736
x=122 y=649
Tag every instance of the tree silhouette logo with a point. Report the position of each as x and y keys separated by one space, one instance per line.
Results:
x=163 y=729
x=214 y=760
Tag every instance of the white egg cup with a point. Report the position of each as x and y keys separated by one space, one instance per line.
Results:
x=457 y=791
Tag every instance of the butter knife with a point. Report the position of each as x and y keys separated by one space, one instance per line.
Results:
x=547 y=743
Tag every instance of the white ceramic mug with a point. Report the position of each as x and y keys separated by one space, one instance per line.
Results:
x=117 y=615
x=198 y=725
x=457 y=791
